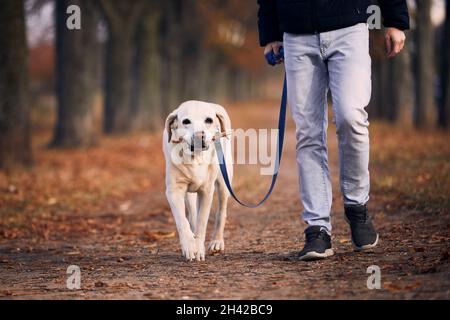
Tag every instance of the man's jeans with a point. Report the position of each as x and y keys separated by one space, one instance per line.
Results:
x=340 y=61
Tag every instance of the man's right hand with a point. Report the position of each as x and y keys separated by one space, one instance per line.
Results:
x=395 y=41
x=275 y=47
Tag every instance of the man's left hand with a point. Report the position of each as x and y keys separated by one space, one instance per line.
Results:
x=395 y=41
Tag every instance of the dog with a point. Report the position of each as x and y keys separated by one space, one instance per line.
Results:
x=193 y=174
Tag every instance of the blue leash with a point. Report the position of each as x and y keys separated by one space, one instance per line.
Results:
x=281 y=131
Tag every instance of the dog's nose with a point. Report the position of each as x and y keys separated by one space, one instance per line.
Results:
x=198 y=141
x=200 y=135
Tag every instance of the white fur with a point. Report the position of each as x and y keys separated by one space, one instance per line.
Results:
x=190 y=184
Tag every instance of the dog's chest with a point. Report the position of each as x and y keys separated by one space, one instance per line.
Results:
x=199 y=177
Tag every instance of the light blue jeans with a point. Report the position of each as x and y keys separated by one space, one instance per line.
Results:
x=337 y=60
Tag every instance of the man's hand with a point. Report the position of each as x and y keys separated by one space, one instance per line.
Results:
x=275 y=47
x=395 y=41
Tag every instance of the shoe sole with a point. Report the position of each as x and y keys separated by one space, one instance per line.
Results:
x=313 y=255
x=366 y=247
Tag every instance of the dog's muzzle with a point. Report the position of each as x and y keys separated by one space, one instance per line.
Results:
x=198 y=142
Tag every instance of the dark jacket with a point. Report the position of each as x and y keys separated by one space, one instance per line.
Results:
x=276 y=17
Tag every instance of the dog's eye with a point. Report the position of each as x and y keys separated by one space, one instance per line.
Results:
x=186 y=122
x=209 y=121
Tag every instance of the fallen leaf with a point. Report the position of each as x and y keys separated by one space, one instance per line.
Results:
x=412 y=286
x=125 y=206
x=158 y=236
x=100 y=284
x=391 y=287
x=73 y=253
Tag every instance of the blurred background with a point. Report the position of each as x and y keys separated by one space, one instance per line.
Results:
x=134 y=61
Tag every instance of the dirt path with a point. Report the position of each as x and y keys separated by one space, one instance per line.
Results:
x=127 y=250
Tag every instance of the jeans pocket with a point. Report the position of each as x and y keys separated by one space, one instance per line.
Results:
x=292 y=51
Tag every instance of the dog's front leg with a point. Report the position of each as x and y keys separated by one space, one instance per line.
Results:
x=217 y=243
x=176 y=198
x=205 y=198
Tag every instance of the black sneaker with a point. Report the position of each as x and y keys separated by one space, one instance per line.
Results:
x=364 y=236
x=317 y=245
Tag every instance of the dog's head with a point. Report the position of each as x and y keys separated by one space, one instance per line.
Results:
x=195 y=124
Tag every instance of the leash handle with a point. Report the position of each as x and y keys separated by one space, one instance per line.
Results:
x=273 y=59
x=280 y=143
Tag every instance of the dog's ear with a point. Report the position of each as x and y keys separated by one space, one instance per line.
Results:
x=171 y=125
x=224 y=119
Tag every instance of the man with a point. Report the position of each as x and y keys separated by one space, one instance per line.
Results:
x=326 y=46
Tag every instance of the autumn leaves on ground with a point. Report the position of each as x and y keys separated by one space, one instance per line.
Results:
x=104 y=210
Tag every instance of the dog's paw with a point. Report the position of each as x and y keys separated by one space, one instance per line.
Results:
x=216 y=246
x=201 y=251
x=189 y=246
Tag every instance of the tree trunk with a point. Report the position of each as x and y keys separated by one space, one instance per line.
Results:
x=444 y=114
x=118 y=83
x=76 y=76
x=205 y=76
x=401 y=88
x=385 y=87
x=122 y=18
x=376 y=105
x=380 y=104
x=375 y=101
x=424 y=114
x=172 y=49
x=193 y=55
x=221 y=84
x=147 y=103
x=15 y=146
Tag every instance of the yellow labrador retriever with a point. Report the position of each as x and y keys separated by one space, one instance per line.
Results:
x=193 y=174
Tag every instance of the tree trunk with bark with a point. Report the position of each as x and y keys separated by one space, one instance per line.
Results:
x=221 y=83
x=147 y=100
x=380 y=105
x=400 y=88
x=122 y=18
x=194 y=55
x=77 y=57
x=172 y=51
x=15 y=146
x=444 y=114
x=425 y=111
x=377 y=103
